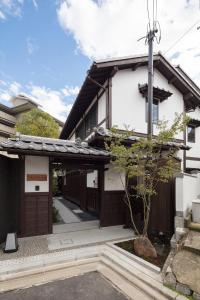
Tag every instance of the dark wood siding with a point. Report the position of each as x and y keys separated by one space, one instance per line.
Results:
x=163 y=209
x=92 y=200
x=36 y=214
x=9 y=196
x=113 y=210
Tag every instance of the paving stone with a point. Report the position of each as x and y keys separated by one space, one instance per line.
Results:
x=170 y=280
x=196 y=296
x=183 y=289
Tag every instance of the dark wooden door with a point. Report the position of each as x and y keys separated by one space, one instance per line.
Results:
x=36 y=214
x=75 y=188
x=92 y=200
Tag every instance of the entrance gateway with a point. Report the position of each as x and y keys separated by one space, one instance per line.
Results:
x=89 y=181
x=32 y=214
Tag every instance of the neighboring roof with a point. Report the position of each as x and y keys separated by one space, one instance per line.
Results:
x=25 y=107
x=105 y=133
x=49 y=147
x=25 y=98
x=100 y=71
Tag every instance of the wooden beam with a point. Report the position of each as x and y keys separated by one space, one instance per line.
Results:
x=136 y=66
x=96 y=82
x=172 y=80
x=187 y=96
x=114 y=71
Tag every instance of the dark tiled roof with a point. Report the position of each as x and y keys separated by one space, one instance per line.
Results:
x=52 y=146
x=102 y=132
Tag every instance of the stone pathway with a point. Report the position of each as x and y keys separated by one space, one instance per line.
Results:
x=66 y=214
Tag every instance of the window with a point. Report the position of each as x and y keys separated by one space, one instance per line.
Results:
x=86 y=127
x=191 y=133
x=155 y=113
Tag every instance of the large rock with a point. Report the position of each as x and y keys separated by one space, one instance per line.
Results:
x=186 y=267
x=143 y=247
x=170 y=280
x=183 y=289
x=196 y=296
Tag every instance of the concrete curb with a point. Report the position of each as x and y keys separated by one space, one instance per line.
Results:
x=132 y=278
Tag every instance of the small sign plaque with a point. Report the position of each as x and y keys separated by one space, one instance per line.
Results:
x=36 y=177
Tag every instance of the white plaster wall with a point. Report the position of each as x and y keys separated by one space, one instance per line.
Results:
x=112 y=180
x=128 y=105
x=180 y=155
x=187 y=190
x=73 y=137
x=102 y=108
x=36 y=165
x=194 y=114
x=92 y=179
x=192 y=163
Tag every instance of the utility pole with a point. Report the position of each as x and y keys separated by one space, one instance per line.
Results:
x=150 y=38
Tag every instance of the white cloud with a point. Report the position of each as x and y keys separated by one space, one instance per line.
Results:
x=111 y=28
x=5 y=96
x=31 y=45
x=57 y=103
x=15 y=88
x=7 y=90
x=2 y=16
x=10 y=8
x=35 y=4
x=70 y=91
x=50 y=100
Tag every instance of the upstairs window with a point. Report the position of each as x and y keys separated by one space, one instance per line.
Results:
x=155 y=112
x=191 y=134
x=86 y=127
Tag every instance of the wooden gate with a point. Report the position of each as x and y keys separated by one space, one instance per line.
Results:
x=163 y=209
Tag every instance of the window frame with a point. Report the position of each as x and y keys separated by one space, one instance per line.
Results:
x=90 y=121
x=146 y=110
x=194 y=135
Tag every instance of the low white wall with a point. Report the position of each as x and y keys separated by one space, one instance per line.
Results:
x=112 y=180
x=36 y=165
x=187 y=190
x=92 y=179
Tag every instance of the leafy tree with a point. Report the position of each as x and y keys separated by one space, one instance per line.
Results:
x=39 y=123
x=151 y=160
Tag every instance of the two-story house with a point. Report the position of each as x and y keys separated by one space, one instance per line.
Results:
x=114 y=93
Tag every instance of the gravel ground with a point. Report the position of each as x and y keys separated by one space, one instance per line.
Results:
x=27 y=247
x=90 y=286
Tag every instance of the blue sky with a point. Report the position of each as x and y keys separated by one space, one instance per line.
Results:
x=34 y=48
x=46 y=46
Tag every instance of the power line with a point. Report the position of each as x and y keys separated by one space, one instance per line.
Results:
x=182 y=36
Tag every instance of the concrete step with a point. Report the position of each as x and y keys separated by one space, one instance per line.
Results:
x=78 y=226
x=83 y=238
